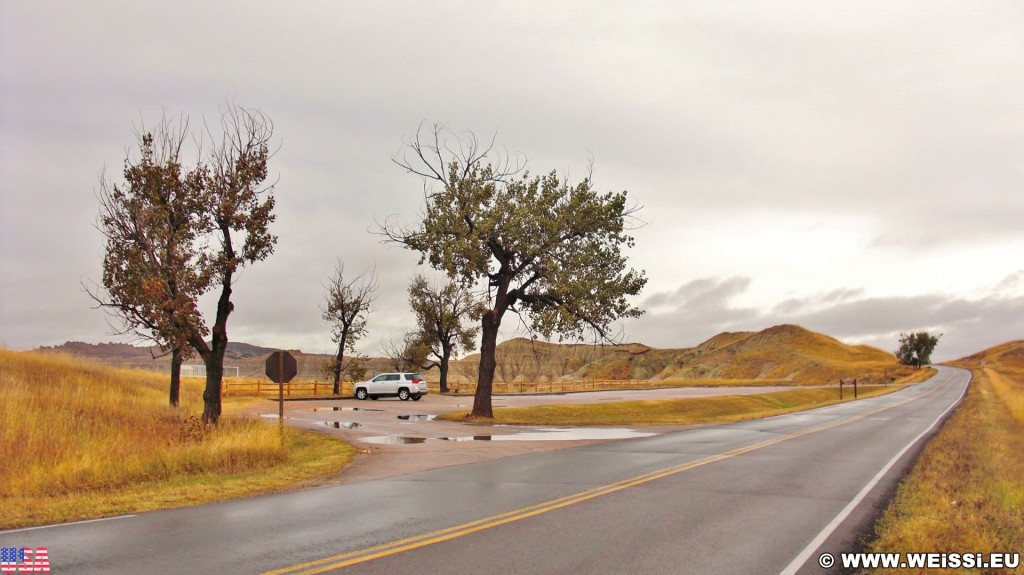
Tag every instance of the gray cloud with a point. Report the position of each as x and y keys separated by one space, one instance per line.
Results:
x=702 y=308
x=693 y=312
x=902 y=116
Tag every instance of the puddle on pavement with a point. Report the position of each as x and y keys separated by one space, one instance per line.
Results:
x=567 y=434
x=315 y=409
x=553 y=434
x=393 y=440
x=341 y=424
x=416 y=417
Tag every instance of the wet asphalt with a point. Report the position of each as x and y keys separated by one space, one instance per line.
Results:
x=740 y=498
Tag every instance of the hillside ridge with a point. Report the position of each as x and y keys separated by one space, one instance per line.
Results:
x=783 y=352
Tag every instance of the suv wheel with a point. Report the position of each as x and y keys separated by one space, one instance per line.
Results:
x=361 y=393
x=403 y=394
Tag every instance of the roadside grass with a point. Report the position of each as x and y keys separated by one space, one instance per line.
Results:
x=82 y=441
x=688 y=411
x=965 y=494
x=897 y=375
x=901 y=375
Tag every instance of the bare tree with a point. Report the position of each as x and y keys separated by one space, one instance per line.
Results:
x=346 y=309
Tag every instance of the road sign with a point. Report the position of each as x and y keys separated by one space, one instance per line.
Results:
x=281 y=367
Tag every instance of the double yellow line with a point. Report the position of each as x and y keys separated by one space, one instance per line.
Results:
x=385 y=549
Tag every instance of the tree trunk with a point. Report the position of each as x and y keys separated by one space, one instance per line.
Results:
x=488 y=343
x=214 y=377
x=446 y=354
x=337 y=370
x=175 y=376
x=339 y=359
x=214 y=356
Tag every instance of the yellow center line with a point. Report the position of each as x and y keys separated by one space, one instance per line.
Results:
x=417 y=541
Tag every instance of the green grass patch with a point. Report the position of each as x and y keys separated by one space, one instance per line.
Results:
x=676 y=411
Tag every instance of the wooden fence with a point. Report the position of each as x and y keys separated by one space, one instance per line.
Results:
x=255 y=387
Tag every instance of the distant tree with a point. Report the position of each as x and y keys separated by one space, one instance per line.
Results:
x=355 y=368
x=548 y=250
x=916 y=348
x=346 y=309
x=408 y=353
x=440 y=311
x=152 y=277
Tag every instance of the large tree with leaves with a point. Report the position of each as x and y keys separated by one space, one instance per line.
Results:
x=440 y=311
x=916 y=348
x=152 y=277
x=196 y=229
x=547 y=249
x=346 y=308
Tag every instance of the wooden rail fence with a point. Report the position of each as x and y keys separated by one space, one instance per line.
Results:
x=255 y=387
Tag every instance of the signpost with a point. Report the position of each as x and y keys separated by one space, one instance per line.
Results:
x=281 y=368
x=843 y=382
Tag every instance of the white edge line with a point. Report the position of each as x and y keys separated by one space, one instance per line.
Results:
x=804 y=555
x=65 y=524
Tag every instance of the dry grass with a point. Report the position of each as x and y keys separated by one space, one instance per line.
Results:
x=82 y=441
x=786 y=352
x=677 y=411
x=966 y=492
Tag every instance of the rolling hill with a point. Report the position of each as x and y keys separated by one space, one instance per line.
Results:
x=1008 y=356
x=249 y=359
x=786 y=352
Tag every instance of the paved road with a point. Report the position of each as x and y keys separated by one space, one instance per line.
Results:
x=752 y=497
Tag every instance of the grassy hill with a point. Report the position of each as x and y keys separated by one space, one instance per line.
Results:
x=783 y=353
x=1007 y=357
x=249 y=359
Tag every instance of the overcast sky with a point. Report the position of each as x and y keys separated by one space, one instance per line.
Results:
x=855 y=167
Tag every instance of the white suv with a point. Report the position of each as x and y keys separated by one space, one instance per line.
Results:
x=401 y=385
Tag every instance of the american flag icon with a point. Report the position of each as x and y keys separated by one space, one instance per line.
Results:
x=24 y=560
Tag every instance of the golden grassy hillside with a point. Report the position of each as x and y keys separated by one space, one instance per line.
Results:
x=792 y=352
x=81 y=440
x=785 y=352
x=965 y=491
